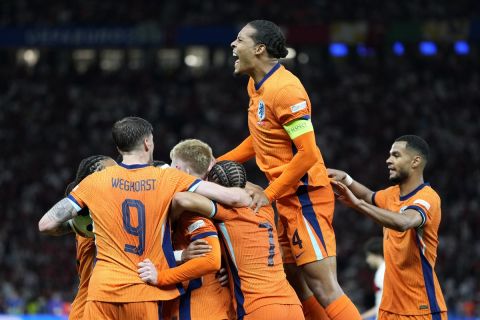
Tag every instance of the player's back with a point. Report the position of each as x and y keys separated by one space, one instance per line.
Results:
x=280 y=100
x=250 y=241
x=129 y=206
x=410 y=284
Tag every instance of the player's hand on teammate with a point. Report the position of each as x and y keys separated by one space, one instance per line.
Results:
x=148 y=272
x=222 y=277
x=344 y=194
x=196 y=249
x=259 y=199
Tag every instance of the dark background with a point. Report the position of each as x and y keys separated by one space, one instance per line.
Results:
x=69 y=70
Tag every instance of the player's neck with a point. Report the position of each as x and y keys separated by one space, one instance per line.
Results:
x=262 y=69
x=130 y=159
x=410 y=184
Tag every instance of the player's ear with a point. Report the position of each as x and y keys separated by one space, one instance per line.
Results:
x=147 y=143
x=417 y=162
x=260 y=48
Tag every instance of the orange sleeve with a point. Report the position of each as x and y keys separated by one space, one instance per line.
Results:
x=379 y=197
x=291 y=103
x=194 y=268
x=243 y=152
x=306 y=156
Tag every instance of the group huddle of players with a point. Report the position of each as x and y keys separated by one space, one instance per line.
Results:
x=206 y=207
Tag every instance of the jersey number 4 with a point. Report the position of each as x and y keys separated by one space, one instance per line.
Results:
x=139 y=230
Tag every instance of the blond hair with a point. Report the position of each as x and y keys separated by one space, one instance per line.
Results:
x=196 y=153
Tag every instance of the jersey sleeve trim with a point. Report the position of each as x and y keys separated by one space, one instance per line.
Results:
x=422 y=214
x=373 y=199
x=298 y=127
x=194 y=185
x=214 y=209
x=204 y=235
x=74 y=202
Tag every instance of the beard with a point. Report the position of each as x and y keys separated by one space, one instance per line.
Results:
x=399 y=178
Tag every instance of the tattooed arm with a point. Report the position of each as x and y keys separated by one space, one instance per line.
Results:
x=54 y=222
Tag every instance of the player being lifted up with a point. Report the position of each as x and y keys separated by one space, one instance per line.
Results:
x=128 y=204
x=282 y=140
x=410 y=213
x=259 y=287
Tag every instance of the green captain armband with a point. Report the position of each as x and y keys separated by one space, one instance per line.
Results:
x=298 y=127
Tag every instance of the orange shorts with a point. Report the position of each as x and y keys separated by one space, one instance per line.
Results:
x=385 y=315
x=98 y=310
x=276 y=312
x=305 y=230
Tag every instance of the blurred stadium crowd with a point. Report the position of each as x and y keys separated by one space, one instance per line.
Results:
x=52 y=116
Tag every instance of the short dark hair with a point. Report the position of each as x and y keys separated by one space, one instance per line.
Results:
x=416 y=143
x=269 y=34
x=129 y=132
x=228 y=174
x=374 y=245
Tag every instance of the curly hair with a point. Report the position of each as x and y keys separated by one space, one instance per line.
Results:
x=228 y=174
x=271 y=36
x=86 y=167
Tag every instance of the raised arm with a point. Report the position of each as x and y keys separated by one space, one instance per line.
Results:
x=307 y=155
x=54 y=222
x=407 y=219
x=234 y=197
x=358 y=189
x=243 y=152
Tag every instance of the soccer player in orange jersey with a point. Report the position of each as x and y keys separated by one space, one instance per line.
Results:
x=85 y=247
x=195 y=157
x=128 y=204
x=258 y=283
x=282 y=140
x=410 y=213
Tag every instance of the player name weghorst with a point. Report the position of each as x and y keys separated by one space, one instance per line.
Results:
x=135 y=186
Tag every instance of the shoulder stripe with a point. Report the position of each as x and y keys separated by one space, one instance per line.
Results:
x=428 y=279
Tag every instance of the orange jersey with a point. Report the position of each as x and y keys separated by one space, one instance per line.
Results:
x=85 y=261
x=255 y=265
x=410 y=285
x=129 y=206
x=199 y=292
x=274 y=102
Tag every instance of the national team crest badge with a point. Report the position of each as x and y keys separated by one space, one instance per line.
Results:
x=261 y=110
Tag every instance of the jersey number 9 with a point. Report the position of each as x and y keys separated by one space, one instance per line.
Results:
x=139 y=230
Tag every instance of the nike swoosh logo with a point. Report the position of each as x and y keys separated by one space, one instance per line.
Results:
x=298 y=255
